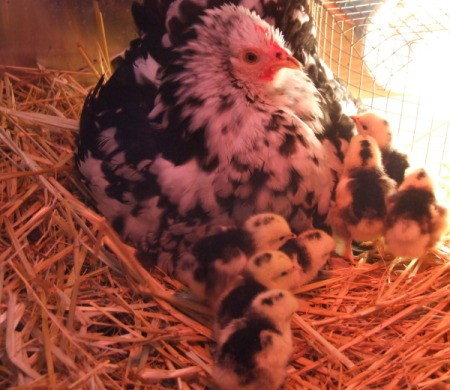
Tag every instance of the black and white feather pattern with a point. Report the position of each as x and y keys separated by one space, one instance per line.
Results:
x=172 y=145
x=293 y=19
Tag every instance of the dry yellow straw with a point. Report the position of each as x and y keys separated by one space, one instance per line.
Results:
x=103 y=43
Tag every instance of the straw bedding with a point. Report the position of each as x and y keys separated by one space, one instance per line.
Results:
x=78 y=311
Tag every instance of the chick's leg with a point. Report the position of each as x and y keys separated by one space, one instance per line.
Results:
x=348 y=253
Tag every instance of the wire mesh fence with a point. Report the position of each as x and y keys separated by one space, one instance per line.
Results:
x=394 y=56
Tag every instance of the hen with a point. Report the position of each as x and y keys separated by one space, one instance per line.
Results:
x=230 y=127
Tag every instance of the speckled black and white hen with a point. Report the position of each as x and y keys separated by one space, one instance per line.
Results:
x=230 y=128
x=360 y=211
x=395 y=163
x=416 y=221
x=253 y=351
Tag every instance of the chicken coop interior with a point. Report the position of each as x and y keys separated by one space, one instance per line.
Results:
x=389 y=54
x=77 y=309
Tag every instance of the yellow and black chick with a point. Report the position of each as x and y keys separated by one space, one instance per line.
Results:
x=295 y=264
x=359 y=211
x=216 y=260
x=415 y=220
x=264 y=271
x=311 y=250
x=373 y=124
x=253 y=351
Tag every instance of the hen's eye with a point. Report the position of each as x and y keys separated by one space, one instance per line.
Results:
x=364 y=127
x=250 y=57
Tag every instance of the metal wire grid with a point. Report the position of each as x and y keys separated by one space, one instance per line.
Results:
x=344 y=44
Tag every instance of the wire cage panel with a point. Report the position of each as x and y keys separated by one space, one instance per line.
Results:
x=394 y=56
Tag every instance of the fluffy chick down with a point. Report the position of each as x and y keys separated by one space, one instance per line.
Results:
x=265 y=270
x=311 y=250
x=395 y=163
x=218 y=259
x=359 y=211
x=254 y=351
x=295 y=264
x=415 y=221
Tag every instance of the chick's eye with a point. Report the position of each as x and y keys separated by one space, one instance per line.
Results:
x=250 y=57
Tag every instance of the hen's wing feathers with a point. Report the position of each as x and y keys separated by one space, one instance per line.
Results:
x=149 y=18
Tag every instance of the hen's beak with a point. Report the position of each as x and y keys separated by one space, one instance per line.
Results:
x=281 y=59
x=284 y=60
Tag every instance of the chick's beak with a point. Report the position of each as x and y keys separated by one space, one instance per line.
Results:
x=355 y=119
x=289 y=236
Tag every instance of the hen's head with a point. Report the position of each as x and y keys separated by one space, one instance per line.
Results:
x=234 y=44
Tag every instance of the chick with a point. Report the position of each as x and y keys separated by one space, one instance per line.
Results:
x=268 y=230
x=394 y=162
x=311 y=250
x=415 y=221
x=253 y=351
x=265 y=270
x=216 y=260
x=359 y=210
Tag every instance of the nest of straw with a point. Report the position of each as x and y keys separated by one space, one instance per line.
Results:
x=78 y=311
